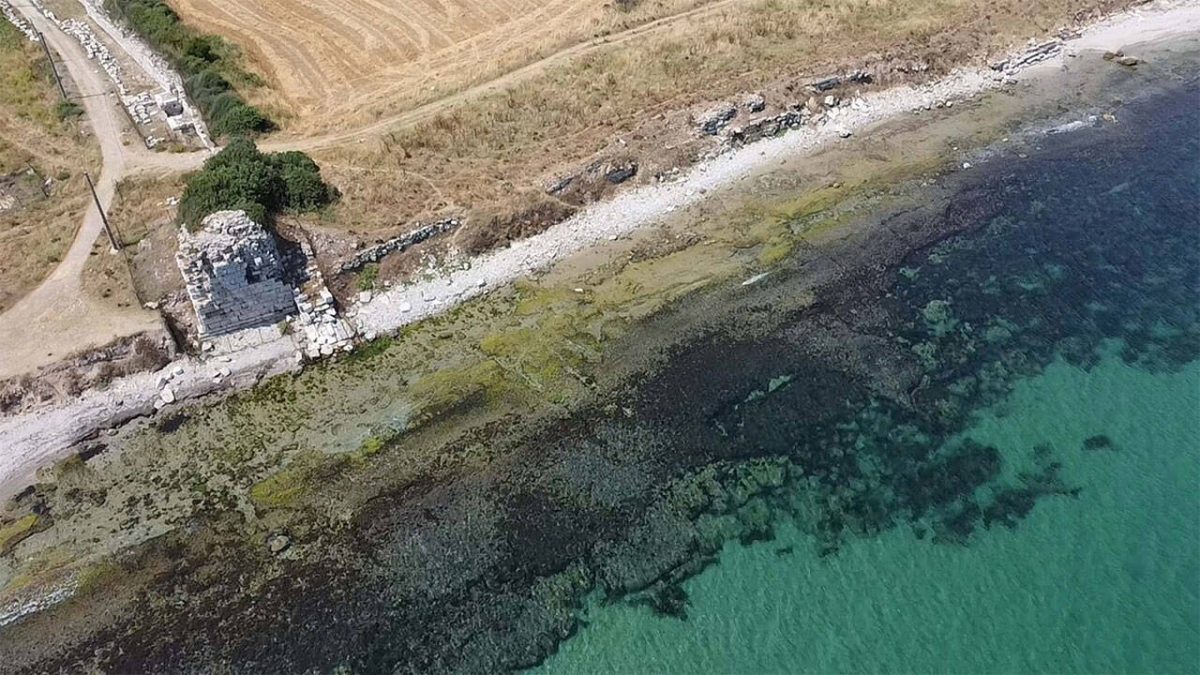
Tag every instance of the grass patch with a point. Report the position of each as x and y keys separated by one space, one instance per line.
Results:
x=368 y=276
x=306 y=472
x=68 y=110
x=17 y=531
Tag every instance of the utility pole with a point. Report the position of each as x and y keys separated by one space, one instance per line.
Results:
x=53 y=68
x=103 y=218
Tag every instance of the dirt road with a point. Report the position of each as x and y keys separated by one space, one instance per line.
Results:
x=58 y=317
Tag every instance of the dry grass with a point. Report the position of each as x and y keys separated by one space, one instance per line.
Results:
x=145 y=219
x=482 y=153
x=106 y=277
x=35 y=144
x=331 y=62
x=142 y=205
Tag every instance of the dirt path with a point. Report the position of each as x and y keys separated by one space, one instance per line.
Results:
x=58 y=317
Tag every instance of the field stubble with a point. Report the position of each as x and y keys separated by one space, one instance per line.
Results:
x=493 y=148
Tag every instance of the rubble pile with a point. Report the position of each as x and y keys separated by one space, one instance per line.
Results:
x=157 y=68
x=140 y=104
x=587 y=184
x=1036 y=53
x=401 y=243
x=234 y=275
x=320 y=330
x=96 y=51
x=712 y=120
x=767 y=127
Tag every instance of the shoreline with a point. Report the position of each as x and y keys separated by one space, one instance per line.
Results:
x=40 y=437
x=436 y=528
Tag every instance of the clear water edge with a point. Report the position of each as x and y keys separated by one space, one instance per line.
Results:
x=1105 y=582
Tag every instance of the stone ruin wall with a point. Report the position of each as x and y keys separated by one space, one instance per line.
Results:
x=234 y=274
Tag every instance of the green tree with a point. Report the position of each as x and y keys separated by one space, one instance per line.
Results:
x=242 y=177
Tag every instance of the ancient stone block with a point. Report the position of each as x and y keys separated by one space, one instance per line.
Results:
x=234 y=275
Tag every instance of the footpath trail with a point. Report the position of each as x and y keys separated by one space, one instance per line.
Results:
x=58 y=317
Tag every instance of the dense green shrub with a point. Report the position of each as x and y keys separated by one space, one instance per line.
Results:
x=207 y=63
x=303 y=189
x=68 y=110
x=242 y=177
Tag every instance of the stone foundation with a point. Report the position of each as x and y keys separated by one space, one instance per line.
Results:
x=234 y=275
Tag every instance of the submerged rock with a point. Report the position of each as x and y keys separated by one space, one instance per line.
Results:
x=278 y=543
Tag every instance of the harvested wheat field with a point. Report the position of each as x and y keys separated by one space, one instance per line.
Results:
x=333 y=61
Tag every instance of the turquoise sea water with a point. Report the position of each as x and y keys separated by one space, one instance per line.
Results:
x=1105 y=582
x=1064 y=334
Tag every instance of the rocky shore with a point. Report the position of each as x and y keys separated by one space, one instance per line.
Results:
x=829 y=392
x=480 y=479
x=35 y=438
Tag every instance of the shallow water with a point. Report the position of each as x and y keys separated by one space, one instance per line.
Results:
x=957 y=427
x=1106 y=582
x=1061 y=393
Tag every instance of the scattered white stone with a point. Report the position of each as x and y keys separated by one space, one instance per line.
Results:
x=167 y=395
x=278 y=543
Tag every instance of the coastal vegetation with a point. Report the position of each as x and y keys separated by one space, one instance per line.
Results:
x=209 y=65
x=14 y=532
x=241 y=177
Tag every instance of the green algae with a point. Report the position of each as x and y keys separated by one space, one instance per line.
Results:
x=15 y=532
x=286 y=488
x=95 y=578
